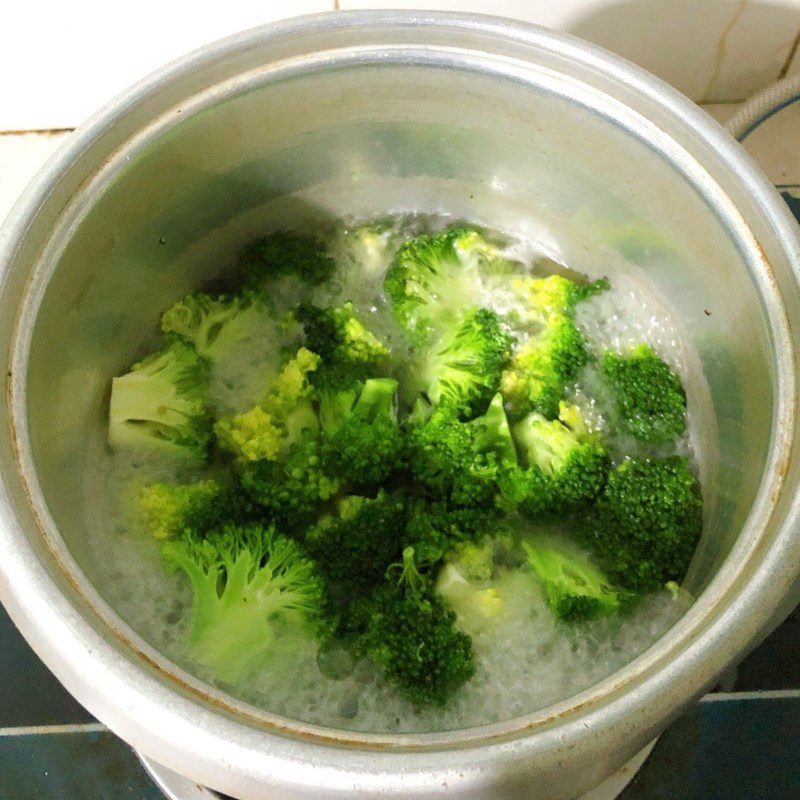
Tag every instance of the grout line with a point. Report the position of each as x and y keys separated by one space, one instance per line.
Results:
x=721 y=52
x=773 y=694
x=795 y=49
x=41 y=730
x=37 y=131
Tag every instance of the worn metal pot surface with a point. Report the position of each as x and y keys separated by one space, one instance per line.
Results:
x=358 y=114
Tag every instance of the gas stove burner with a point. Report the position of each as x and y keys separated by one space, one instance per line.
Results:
x=176 y=787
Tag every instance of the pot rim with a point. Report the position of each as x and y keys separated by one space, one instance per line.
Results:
x=121 y=684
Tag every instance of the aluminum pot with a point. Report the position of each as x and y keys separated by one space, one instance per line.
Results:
x=358 y=114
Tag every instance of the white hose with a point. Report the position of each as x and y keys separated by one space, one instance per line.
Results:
x=763 y=105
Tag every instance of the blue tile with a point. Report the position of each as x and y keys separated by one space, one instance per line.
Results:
x=29 y=694
x=71 y=766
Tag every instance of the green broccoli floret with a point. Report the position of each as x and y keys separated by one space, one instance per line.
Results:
x=462 y=368
x=412 y=636
x=649 y=395
x=160 y=405
x=169 y=509
x=282 y=419
x=214 y=325
x=289 y=490
x=435 y=276
x=355 y=546
x=543 y=366
x=574 y=587
x=365 y=252
x=645 y=526
x=282 y=255
x=433 y=529
x=527 y=490
x=367 y=446
x=248 y=581
x=542 y=299
x=443 y=458
x=575 y=469
x=341 y=339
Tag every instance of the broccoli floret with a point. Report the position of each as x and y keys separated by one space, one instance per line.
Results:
x=412 y=636
x=341 y=339
x=435 y=276
x=365 y=253
x=574 y=587
x=169 y=509
x=462 y=368
x=367 y=446
x=542 y=367
x=527 y=490
x=355 y=546
x=433 y=529
x=464 y=584
x=252 y=435
x=576 y=470
x=443 y=458
x=160 y=405
x=645 y=526
x=649 y=396
x=542 y=299
x=289 y=490
x=282 y=255
x=247 y=582
x=214 y=325
x=281 y=420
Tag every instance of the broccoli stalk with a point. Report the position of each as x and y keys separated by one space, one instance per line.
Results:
x=492 y=433
x=160 y=405
x=247 y=582
x=574 y=588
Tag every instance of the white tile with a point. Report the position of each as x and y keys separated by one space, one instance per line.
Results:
x=711 y=51
x=549 y=13
x=20 y=158
x=753 y=51
x=775 y=145
x=60 y=61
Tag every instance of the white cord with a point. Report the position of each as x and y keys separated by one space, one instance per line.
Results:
x=763 y=105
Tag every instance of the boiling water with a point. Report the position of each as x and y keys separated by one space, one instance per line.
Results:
x=528 y=662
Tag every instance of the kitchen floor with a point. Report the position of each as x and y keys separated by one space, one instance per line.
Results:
x=740 y=744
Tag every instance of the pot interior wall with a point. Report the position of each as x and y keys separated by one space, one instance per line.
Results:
x=174 y=210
